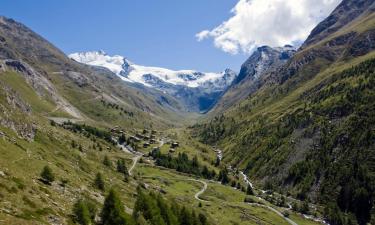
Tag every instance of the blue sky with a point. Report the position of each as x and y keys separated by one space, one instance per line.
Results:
x=148 y=32
x=205 y=35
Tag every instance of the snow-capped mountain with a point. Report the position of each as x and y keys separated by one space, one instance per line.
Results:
x=147 y=76
x=264 y=59
x=191 y=86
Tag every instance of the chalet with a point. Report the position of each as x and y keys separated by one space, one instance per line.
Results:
x=139 y=136
x=175 y=145
x=172 y=150
x=135 y=139
x=145 y=145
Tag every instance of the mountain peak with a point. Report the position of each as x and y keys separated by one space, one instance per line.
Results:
x=197 y=89
x=263 y=59
x=129 y=71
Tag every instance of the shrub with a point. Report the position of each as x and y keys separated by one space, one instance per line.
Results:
x=47 y=174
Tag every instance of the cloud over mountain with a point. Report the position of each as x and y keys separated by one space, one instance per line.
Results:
x=267 y=22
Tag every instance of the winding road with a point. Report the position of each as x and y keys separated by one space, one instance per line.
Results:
x=275 y=211
x=196 y=196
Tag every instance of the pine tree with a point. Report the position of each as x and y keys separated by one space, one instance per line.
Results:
x=47 y=174
x=73 y=144
x=195 y=162
x=223 y=176
x=202 y=219
x=113 y=212
x=217 y=163
x=121 y=167
x=106 y=161
x=81 y=213
x=249 y=190
x=185 y=217
x=99 y=182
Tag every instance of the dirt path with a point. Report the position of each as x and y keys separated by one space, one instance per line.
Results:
x=135 y=160
x=275 y=211
x=196 y=196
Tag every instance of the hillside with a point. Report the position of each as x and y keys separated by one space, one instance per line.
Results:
x=262 y=61
x=78 y=146
x=75 y=90
x=308 y=131
x=196 y=91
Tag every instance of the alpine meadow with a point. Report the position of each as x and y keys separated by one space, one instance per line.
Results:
x=91 y=137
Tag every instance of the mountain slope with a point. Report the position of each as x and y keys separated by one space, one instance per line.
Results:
x=74 y=89
x=261 y=62
x=308 y=130
x=196 y=90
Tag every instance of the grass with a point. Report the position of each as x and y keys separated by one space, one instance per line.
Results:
x=225 y=205
x=27 y=200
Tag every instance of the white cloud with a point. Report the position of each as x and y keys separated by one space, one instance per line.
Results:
x=268 y=22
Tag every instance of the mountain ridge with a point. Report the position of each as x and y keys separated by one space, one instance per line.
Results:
x=260 y=62
x=198 y=91
x=307 y=127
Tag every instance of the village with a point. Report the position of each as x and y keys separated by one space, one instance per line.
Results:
x=144 y=141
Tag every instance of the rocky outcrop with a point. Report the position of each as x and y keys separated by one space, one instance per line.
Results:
x=252 y=75
x=263 y=60
x=16 y=107
x=347 y=11
x=42 y=86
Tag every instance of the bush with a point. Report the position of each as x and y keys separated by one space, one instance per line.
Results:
x=286 y=213
x=47 y=174
x=249 y=200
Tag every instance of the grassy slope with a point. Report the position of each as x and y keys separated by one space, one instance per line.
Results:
x=26 y=200
x=259 y=135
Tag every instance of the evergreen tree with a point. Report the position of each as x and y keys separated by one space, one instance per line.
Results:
x=74 y=144
x=121 y=167
x=363 y=205
x=47 y=174
x=81 y=213
x=202 y=219
x=333 y=214
x=223 y=176
x=217 y=163
x=249 y=190
x=305 y=207
x=185 y=217
x=113 y=212
x=99 y=182
x=195 y=162
x=106 y=161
